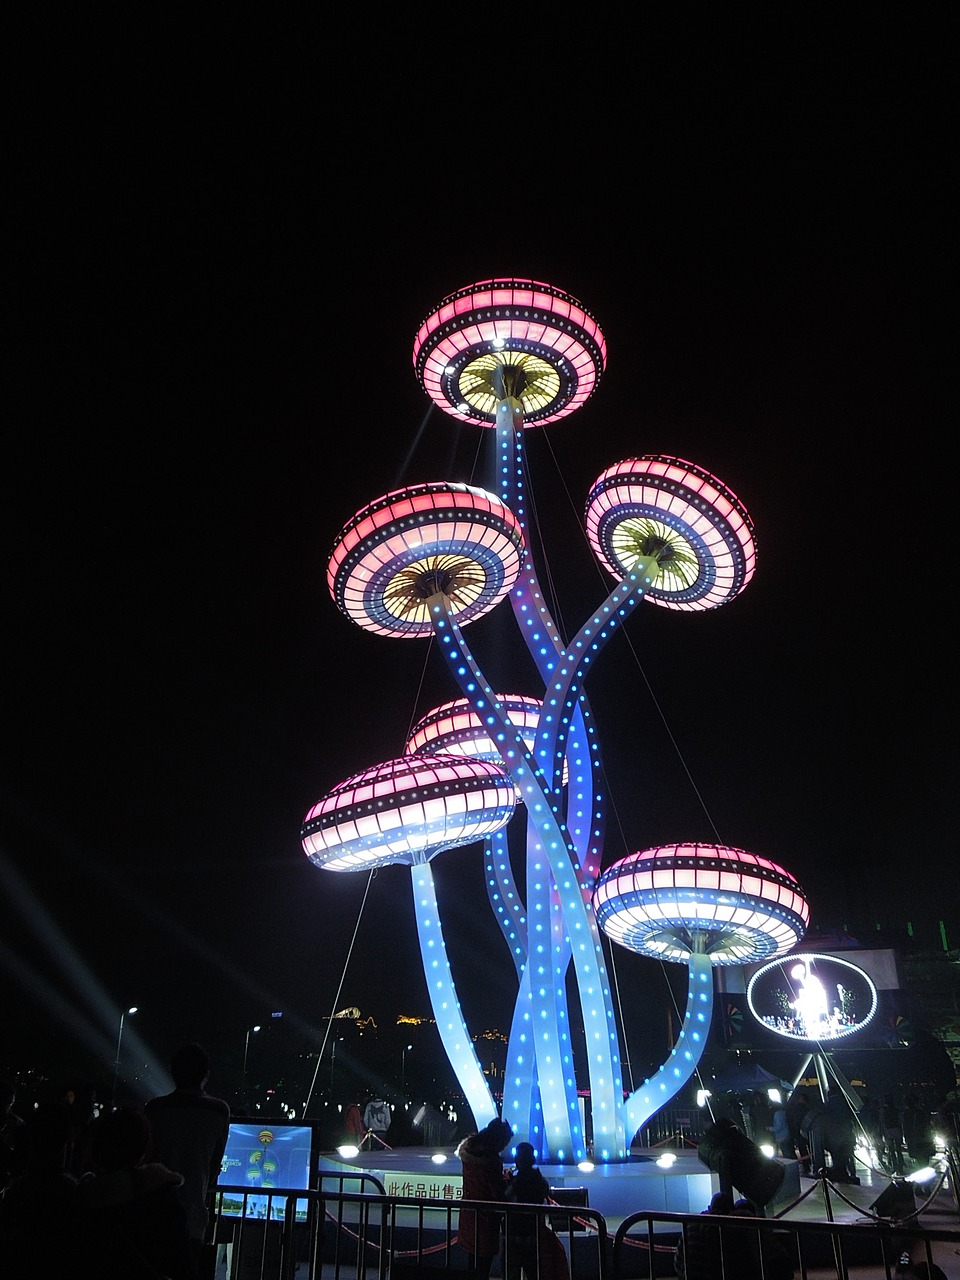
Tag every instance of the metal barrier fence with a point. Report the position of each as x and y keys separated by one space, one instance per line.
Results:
x=338 y=1234
x=645 y=1244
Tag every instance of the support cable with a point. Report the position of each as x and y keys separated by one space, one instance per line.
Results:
x=336 y=999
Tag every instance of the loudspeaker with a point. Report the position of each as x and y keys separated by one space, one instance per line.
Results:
x=738 y=1162
x=898 y=1201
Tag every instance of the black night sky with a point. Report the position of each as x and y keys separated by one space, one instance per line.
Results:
x=219 y=267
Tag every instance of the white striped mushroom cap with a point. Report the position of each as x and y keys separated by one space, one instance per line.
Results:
x=675 y=899
x=407 y=811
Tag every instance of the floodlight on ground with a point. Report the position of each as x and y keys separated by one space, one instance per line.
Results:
x=739 y=1162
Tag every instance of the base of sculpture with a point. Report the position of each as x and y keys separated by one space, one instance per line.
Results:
x=614 y=1190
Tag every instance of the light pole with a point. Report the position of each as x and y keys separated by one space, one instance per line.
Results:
x=403 y=1069
x=116 y=1062
x=246 y=1050
x=333 y=1061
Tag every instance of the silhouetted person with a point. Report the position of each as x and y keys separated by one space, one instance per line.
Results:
x=710 y=1252
x=530 y=1246
x=745 y=1250
x=38 y=1210
x=917 y=1131
x=190 y=1129
x=840 y=1139
x=782 y=1135
x=132 y=1220
x=479 y=1154
x=891 y=1127
x=813 y=1130
x=869 y=1117
x=12 y=1135
x=80 y=1097
x=698 y=1255
x=796 y=1110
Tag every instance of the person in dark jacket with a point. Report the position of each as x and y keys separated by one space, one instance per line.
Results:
x=840 y=1139
x=531 y=1248
x=743 y=1258
x=813 y=1130
x=38 y=1210
x=189 y=1129
x=482 y=1162
x=891 y=1126
x=698 y=1255
x=133 y=1225
x=796 y=1111
x=917 y=1131
x=12 y=1135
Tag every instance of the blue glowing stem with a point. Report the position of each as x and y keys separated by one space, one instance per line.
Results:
x=686 y=1054
x=585 y=804
x=506 y=900
x=556 y=720
x=454 y=1036
x=522 y=1103
x=561 y=1113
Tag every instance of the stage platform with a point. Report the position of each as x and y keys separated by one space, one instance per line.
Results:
x=614 y=1190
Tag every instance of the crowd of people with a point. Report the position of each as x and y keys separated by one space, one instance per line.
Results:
x=121 y=1194
x=898 y=1132
x=127 y=1189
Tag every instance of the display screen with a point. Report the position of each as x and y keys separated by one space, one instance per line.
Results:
x=265 y=1157
x=811 y=997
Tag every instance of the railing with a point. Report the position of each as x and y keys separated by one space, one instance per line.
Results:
x=336 y=1233
x=645 y=1244
x=680 y=1126
x=348 y=1229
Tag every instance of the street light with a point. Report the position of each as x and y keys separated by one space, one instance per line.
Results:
x=116 y=1062
x=246 y=1050
x=333 y=1061
x=403 y=1069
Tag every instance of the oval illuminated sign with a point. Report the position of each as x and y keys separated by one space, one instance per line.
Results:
x=811 y=997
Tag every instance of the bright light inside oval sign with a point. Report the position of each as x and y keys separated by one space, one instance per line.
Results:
x=812 y=997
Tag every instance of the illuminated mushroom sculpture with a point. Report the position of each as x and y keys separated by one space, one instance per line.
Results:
x=406 y=812
x=702 y=905
x=508 y=355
